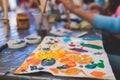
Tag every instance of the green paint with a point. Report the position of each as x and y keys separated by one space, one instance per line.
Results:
x=62 y=67
x=91 y=46
x=91 y=66
x=92 y=39
x=101 y=64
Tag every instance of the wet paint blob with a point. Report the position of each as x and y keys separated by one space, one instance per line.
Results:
x=55 y=70
x=72 y=44
x=48 y=62
x=91 y=66
x=92 y=39
x=101 y=64
x=41 y=68
x=66 y=39
x=46 y=49
x=78 y=50
x=97 y=74
x=81 y=66
x=73 y=71
x=98 y=53
x=33 y=68
x=91 y=46
x=50 y=43
x=62 y=67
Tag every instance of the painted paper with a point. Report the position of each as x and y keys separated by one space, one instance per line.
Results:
x=71 y=57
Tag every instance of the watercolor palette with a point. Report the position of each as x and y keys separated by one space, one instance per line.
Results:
x=68 y=33
x=70 y=57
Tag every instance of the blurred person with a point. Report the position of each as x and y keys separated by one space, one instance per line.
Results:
x=28 y=3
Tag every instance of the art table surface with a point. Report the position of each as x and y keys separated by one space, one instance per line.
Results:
x=10 y=59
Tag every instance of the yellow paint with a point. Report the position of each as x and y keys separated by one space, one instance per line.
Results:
x=73 y=71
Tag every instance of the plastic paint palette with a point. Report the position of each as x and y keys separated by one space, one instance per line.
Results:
x=16 y=43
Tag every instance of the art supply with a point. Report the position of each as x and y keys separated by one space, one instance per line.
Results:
x=16 y=43
x=32 y=39
x=65 y=56
x=68 y=33
x=22 y=21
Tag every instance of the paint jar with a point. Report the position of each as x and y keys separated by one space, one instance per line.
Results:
x=41 y=22
x=22 y=21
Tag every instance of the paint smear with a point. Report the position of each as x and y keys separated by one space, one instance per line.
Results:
x=66 y=39
x=78 y=50
x=91 y=46
x=91 y=66
x=101 y=64
x=92 y=39
x=55 y=70
x=97 y=74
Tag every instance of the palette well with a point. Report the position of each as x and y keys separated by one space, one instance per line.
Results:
x=70 y=57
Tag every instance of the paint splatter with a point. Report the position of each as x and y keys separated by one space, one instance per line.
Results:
x=92 y=39
x=81 y=66
x=72 y=44
x=91 y=66
x=62 y=67
x=97 y=74
x=48 y=62
x=41 y=68
x=12 y=69
x=46 y=49
x=66 y=39
x=73 y=71
x=33 y=68
x=91 y=46
x=78 y=50
x=98 y=53
x=50 y=43
x=55 y=70
x=101 y=64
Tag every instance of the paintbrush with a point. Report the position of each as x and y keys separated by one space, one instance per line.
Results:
x=43 y=12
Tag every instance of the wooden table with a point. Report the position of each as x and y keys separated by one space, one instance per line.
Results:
x=11 y=59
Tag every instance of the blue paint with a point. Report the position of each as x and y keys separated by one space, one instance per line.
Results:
x=41 y=68
x=98 y=53
x=66 y=39
x=50 y=43
x=91 y=66
x=92 y=39
x=46 y=49
x=33 y=68
x=48 y=62
x=62 y=67
x=81 y=66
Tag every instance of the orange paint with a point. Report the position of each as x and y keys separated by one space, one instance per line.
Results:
x=23 y=67
x=85 y=56
x=68 y=52
x=70 y=63
x=94 y=42
x=32 y=54
x=33 y=61
x=72 y=71
x=55 y=70
x=97 y=74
